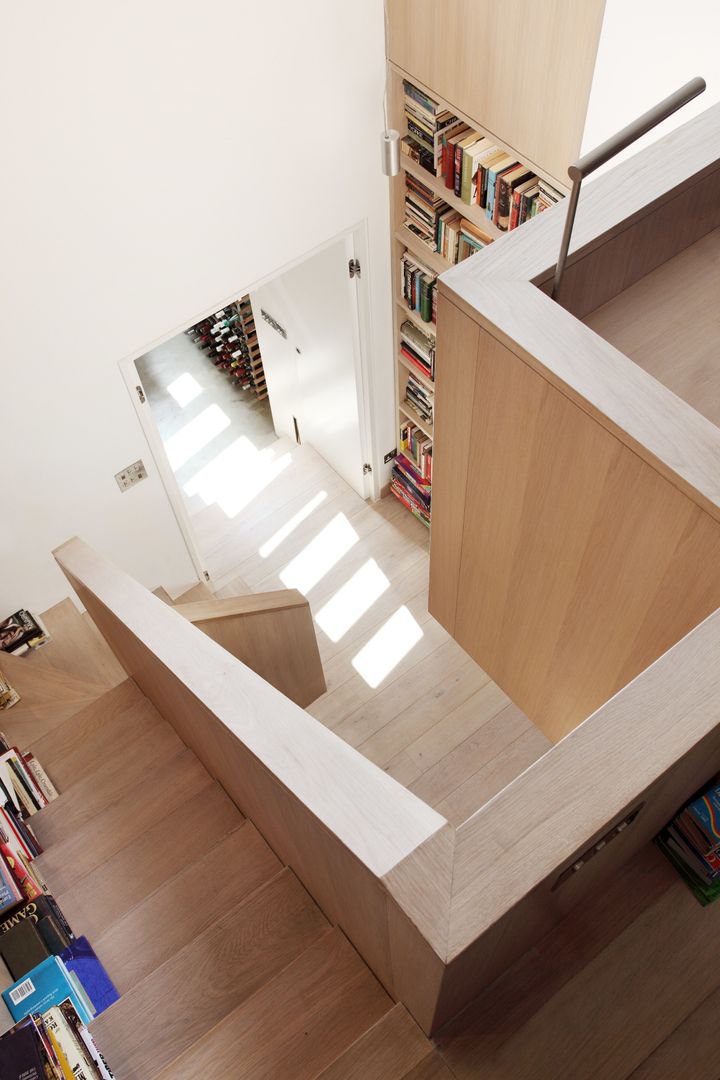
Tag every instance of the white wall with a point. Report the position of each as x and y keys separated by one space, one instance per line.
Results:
x=648 y=48
x=159 y=157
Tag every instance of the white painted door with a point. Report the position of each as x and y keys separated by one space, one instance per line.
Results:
x=313 y=375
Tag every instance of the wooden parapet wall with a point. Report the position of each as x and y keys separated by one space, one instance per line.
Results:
x=272 y=632
x=341 y=823
x=576 y=500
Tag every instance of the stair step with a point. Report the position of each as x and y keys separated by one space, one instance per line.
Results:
x=170 y=785
x=107 y=893
x=386 y=1051
x=77 y=647
x=86 y=741
x=162 y=595
x=198 y=592
x=186 y=905
x=180 y=1002
x=434 y=1068
x=296 y=1025
x=126 y=767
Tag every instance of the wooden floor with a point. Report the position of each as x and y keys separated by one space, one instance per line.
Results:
x=225 y=965
x=435 y=721
x=669 y=324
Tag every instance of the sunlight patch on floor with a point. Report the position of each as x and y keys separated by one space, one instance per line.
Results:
x=352 y=600
x=184 y=389
x=285 y=530
x=320 y=555
x=236 y=476
x=385 y=649
x=195 y=435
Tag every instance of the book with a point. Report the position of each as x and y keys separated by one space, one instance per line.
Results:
x=67 y=1040
x=22 y=949
x=21 y=632
x=22 y=1056
x=506 y=187
x=40 y=777
x=8 y=696
x=9 y=892
x=36 y=911
x=79 y=958
x=44 y=986
x=25 y=880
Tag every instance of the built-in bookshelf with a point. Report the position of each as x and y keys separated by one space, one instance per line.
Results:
x=459 y=189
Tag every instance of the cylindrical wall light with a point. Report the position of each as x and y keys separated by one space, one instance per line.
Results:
x=390 y=149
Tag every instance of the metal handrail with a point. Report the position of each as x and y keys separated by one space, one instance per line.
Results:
x=612 y=146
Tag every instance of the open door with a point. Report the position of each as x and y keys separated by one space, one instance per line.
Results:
x=307 y=323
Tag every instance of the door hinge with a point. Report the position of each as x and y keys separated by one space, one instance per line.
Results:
x=140 y=394
x=367 y=469
x=206 y=575
x=354 y=268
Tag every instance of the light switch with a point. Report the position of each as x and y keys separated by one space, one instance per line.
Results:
x=130 y=476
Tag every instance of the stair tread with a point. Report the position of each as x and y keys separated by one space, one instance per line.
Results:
x=75 y=748
x=163 y=595
x=432 y=1068
x=48 y=698
x=197 y=592
x=173 y=784
x=126 y=766
x=162 y=1016
x=386 y=1051
x=109 y=891
x=186 y=905
x=296 y=1025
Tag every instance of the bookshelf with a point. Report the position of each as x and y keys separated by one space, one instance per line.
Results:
x=434 y=227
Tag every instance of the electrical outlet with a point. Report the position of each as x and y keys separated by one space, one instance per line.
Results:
x=390 y=455
x=130 y=476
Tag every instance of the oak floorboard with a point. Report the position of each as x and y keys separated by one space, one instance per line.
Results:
x=186 y=905
x=172 y=784
x=296 y=1025
x=167 y=1012
x=384 y=1052
x=135 y=763
x=89 y=739
x=106 y=893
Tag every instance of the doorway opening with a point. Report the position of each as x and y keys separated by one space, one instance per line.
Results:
x=229 y=402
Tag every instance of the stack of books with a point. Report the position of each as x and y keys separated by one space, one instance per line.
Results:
x=409 y=486
x=418 y=349
x=428 y=123
x=423 y=210
x=22 y=632
x=418 y=285
x=473 y=167
x=419 y=398
x=692 y=844
x=51 y=982
x=417 y=446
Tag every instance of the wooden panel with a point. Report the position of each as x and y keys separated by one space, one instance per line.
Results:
x=579 y=561
x=680 y=350
x=455 y=373
x=272 y=632
x=489 y=60
x=690 y=1050
x=162 y=1016
x=294 y=1026
x=644 y=244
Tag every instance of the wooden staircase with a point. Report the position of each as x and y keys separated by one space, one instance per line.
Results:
x=226 y=965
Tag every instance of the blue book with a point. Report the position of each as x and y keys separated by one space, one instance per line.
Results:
x=46 y=985
x=79 y=958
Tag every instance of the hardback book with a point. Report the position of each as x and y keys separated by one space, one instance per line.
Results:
x=22 y=949
x=489 y=163
x=518 y=191
x=507 y=184
x=498 y=165
x=79 y=957
x=461 y=147
x=11 y=822
x=29 y=887
x=497 y=197
x=469 y=157
x=22 y=1056
x=46 y=985
x=36 y=911
x=39 y=775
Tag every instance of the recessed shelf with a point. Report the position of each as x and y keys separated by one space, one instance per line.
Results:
x=426 y=382
x=474 y=214
x=414 y=317
x=407 y=410
x=421 y=251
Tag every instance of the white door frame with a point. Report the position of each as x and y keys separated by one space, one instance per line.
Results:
x=357 y=238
